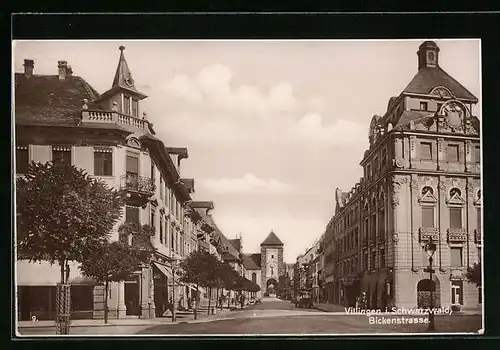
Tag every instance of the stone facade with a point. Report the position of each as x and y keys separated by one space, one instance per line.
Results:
x=421 y=181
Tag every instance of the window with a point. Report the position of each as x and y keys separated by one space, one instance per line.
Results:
x=374 y=226
x=479 y=220
x=22 y=159
x=373 y=260
x=423 y=106
x=382 y=258
x=427 y=216
x=376 y=165
x=152 y=171
x=162 y=188
x=135 y=108
x=455 y=217
x=439 y=105
x=61 y=154
x=254 y=277
x=381 y=222
x=477 y=154
x=132 y=214
x=272 y=256
x=152 y=221
x=132 y=164
x=126 y=105
x=161 y=229
x=456 y=257
x=384 y=157
x=480 y=295
x=103 y=161
x=426 y=150
x=369 y=170
x=457 y=295
x=479 y=255
x=453 y=153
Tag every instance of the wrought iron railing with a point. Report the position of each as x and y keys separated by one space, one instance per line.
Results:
x=136 y=183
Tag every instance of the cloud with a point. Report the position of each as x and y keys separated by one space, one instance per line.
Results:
x=249 y=183
x=342 y=132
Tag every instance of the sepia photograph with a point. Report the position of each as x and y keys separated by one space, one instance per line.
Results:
x=247 y=187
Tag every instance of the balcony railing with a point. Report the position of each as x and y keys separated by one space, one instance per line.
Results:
x=477 y=236
x=114 y=117
x=138 y=184
x=457 y=235
x=426 y=233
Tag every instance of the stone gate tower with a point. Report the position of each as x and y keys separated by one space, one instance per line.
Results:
x=272 y=266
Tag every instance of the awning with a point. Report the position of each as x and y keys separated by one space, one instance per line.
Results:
x=44 y=274
x=163 y=269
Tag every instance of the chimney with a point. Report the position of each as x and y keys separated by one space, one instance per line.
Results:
x=28 y=68
x=63 y=67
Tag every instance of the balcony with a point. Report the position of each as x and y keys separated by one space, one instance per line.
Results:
x=426 y=233
x=477 y=236
x=139 y=189
x=112 y=117
x=457 y=235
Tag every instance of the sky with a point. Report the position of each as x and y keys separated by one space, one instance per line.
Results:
x=272 y=127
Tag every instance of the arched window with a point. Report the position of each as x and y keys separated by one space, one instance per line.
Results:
x=455 y=191
x=254 y=277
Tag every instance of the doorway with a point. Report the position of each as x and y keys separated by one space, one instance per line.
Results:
x=132 y=299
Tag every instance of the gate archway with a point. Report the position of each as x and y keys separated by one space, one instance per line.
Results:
x=271 y=286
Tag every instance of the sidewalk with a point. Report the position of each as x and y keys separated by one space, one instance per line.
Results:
x=181 y=318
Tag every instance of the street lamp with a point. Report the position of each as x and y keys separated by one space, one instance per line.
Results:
x=430 y=249
x=174 y=271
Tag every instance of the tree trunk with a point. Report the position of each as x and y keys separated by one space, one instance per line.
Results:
x=196 y=303
x=106 y=288
x=229 y=299
x=209 y=299
x=216 y=298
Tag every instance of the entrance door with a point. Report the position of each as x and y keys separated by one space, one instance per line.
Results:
x=132 y=294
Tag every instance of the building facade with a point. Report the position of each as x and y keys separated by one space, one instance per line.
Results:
x=422 y=181
x=272 y=265
x=62 y=118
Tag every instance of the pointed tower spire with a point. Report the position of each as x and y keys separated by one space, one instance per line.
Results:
x=123 y=76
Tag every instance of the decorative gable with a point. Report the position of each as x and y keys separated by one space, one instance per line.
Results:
x=428 y=197
x=456 y=199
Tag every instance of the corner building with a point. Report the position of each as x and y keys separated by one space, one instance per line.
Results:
x=421 y=180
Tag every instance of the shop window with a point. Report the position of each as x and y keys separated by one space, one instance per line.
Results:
x=457 y=293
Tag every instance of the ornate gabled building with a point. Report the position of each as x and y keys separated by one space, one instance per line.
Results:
x=61 y=117
x=422 y=180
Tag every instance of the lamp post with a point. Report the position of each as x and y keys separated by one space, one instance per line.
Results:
x=430 y=249
x=174 y=271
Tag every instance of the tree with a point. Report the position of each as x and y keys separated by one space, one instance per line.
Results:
x=198 y=268
x=113 y=262
x=474 y=274
x=63 y=215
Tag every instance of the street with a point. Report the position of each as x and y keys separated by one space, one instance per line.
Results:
x=276 y=316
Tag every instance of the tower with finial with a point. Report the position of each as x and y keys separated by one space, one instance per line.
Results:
x=123 y=95
x=272 y=266
x=428 y=55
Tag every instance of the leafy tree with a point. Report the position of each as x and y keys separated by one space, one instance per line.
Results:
x=63 y=214
x=199 y=268
x=474 y=274
x=114 y=262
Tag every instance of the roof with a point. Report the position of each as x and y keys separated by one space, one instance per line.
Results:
x=249 y=263
x=230 y=253
x=236 y=243
x=46 y=100
x=272 y=239
x=256 y=259
x=428 y=78
x=189 y=184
